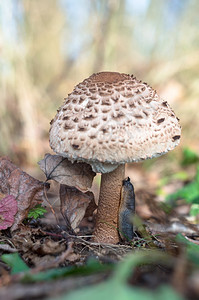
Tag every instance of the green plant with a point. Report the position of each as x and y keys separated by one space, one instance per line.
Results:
x=189 y=157
x=117 y=286
x=191 y=249
x=15 y=262
x=36 y=212
x=190 y=191
x=17 y=265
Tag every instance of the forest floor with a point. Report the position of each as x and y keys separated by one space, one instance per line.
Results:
x=42 y=259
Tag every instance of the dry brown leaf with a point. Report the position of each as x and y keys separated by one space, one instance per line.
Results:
x=74 y=204
x=27 y=190
x=64 y=171
x=48 y=246
x=23 y=239
x=92 y=205
x=49 y=262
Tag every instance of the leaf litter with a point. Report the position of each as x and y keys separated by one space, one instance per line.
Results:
x=60 y=245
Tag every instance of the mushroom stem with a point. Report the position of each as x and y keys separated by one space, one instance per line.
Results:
x=106 y=229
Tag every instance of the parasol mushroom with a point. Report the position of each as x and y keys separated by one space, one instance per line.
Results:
x=108 y=120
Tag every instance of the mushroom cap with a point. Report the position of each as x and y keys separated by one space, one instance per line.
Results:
x=111 y=118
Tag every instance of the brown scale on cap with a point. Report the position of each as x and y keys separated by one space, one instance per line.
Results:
x=109 y=77
x=124 y=117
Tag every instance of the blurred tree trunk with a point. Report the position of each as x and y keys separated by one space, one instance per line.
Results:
x=105 y=12
x=33 y=65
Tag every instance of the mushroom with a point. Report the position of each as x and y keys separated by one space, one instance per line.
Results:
x=108 y=120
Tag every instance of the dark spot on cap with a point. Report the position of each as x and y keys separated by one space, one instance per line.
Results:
x=138 y=116
x=160 y=120
x=106 y=102
x=164 y=103
x=93 y=90
x=176 y=137
x=119 y=89
x=124 y=105
x=81 y=129
x=75 y=120
x=104 y=130
x=115 y=99
x=89 y=104
x=93 y=97
x=81 y=99
x=66 y=126
x=65 y=118
x=92 y=137
x=118 y=115
x=67 y=100
x=75 y=146
x=131 y=104
x=89 y=117
x=137 y=91
x=105 y=110
x=128 y=95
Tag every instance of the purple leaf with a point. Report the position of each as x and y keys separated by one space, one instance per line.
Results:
x=8 y=209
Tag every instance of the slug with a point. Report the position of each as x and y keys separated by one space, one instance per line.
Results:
x=126 y=210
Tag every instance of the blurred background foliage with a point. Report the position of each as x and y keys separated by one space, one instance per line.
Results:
x=49 y=46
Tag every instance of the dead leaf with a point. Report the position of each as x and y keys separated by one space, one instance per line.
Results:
x=8 y=209
x=92 y=205
x=27 y=190
x=48 y=246
x=7 y=248
x=50 y=262
x=74 y=204
x=64 y=171
x=24 y=239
